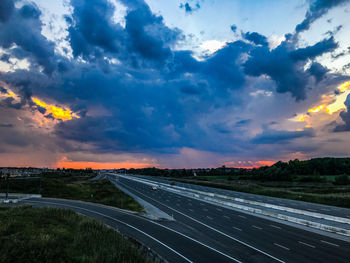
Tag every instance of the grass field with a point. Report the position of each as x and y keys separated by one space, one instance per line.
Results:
x=322 y=193
x=53 y=235
x=75 y=187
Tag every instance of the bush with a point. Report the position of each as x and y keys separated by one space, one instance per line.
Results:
x=342 y=180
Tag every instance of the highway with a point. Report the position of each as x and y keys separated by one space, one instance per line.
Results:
x=312 y=207
x=170 y=244
x=245 y=237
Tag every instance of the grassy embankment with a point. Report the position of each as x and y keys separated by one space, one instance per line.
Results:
x=74 y=187
x=322 y=193
x=55 y=235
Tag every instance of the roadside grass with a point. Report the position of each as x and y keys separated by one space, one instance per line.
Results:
x=322 y=193
x=76 y=188
x=56 y=235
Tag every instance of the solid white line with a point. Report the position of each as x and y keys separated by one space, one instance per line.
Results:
x=242 y=216
x=312 y=210
x=209 y=217
x=281 y=246
x=237 y=228
x=172 y=230
x=257 y=227
x=119 y=221
x=216 y=230
x=276 y=226
x=227 y=217
x=329 y=243
x=306 y=244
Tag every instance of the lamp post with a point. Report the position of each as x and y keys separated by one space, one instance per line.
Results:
x=7 y=186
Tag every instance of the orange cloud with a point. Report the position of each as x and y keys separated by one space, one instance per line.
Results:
x=97 y=165
x=57 y=112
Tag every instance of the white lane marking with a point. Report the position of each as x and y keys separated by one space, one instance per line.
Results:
x=306 y=244
x=121 y=222
x=281 y=246
x=257 y=227
x=329 y=243
x=204 y=209
x=167 y=200
x=275 y=226
x=191 y=210
x=237 y=228
x=201 y=204
x=219 y=209
x=179 y=233
x=190 y=204
x=209 y=217
x=227 y=217
x=242 y=216
x=216 y=230
x=312 y=210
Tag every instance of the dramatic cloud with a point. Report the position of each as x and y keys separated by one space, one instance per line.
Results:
x=21 y=27
x=286 y=65
x=345 y=116
x=317 y=9
x=269 y=136
x=127 y=91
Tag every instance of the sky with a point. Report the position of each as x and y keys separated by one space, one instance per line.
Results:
x=173 y=84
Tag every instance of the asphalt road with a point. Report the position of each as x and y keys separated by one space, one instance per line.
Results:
x=244 y=237
x=170 y=244
x=311 y=207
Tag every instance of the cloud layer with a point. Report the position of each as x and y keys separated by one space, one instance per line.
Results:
x=136 y=93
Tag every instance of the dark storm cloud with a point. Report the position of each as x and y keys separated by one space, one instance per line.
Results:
x=345 y=116
x=270 y=136
x=91 y=28
x=285 y=65
x=6 y=9
x=256 y=38
x=317 y=9
x=22 y=27
x=318 y=71
x=93 y=33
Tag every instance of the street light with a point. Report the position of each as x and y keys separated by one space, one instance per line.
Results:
x=7 y=187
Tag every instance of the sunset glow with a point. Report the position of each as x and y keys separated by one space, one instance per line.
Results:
x=101 y=165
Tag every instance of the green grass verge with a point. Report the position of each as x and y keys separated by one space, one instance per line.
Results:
x=55 y=235
x=322 y=193
x=76 y=188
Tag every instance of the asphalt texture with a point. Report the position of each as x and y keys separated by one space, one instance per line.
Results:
x=311 y=207
x=244 y=237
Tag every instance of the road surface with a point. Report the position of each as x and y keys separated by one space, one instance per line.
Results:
x=245 y=237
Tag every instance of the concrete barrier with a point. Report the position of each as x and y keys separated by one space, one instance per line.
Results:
x=212 y=198
x=272 y=206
